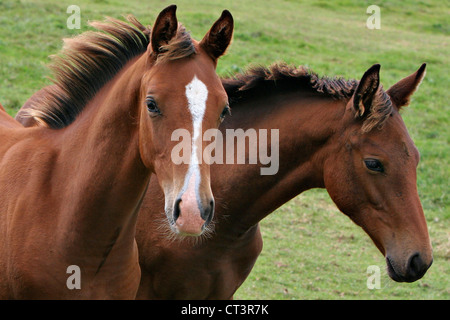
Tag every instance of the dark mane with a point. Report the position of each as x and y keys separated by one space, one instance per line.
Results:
x=286 y=78
x=262 y=81
x=88 y=61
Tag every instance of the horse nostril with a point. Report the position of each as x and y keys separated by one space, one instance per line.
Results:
x=208 y=212
x=416 y=267
x=176 y=210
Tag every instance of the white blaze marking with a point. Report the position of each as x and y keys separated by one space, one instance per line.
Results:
x=196 y=94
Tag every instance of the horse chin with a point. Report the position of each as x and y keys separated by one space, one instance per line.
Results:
x=391 y=271
x=206 y=231
x=177 y=232
x=187 y=239
x=185 y=234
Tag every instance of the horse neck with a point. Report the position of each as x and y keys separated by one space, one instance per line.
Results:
x=307 y=123
x=101 y=148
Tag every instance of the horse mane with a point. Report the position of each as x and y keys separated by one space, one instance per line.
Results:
x=261 y=81
x=88 y=61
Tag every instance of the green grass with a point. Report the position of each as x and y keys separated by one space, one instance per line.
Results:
x=311 y=250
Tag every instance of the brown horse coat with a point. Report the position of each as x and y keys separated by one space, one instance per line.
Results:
x=70 y=188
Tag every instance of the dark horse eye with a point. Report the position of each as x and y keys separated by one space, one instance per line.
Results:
x=374 y=165
x=152 y=106
x=225 y=111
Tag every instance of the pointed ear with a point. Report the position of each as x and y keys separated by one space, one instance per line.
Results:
x=218 y=38
x=164 y=29
x=366 y=90
x=401 y=92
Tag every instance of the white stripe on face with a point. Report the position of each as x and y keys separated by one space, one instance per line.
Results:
x=196 y=94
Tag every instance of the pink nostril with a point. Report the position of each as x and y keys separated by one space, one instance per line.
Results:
x=188 y=219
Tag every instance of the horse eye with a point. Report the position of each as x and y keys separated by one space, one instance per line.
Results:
x=152 y=106
x=225 y=111
x=374 y=165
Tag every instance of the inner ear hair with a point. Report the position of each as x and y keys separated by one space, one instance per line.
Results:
x=366 y=90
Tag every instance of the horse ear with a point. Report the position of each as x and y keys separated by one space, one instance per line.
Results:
x=365 y=92
x=218 y=38
x=401 y=92
x=165 y=28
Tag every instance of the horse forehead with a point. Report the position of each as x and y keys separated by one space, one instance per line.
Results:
x=394 y=138
x=199 y=65
x=199 y=88
x=395 y=130
x=179 y=75
x=393 y=133
x=196 y=94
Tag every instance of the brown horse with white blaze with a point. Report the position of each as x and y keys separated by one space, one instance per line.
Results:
x=345 y=136
x=72 y=185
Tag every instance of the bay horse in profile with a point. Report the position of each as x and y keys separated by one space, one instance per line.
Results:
x=72 y=184
x=345 y=136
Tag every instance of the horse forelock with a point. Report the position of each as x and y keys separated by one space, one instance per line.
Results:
x=380 y=111
x=179 y=47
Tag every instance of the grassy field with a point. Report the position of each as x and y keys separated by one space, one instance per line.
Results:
x=311 y=250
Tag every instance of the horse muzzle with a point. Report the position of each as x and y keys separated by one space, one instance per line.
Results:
x=190 y=217
x=414 y=269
